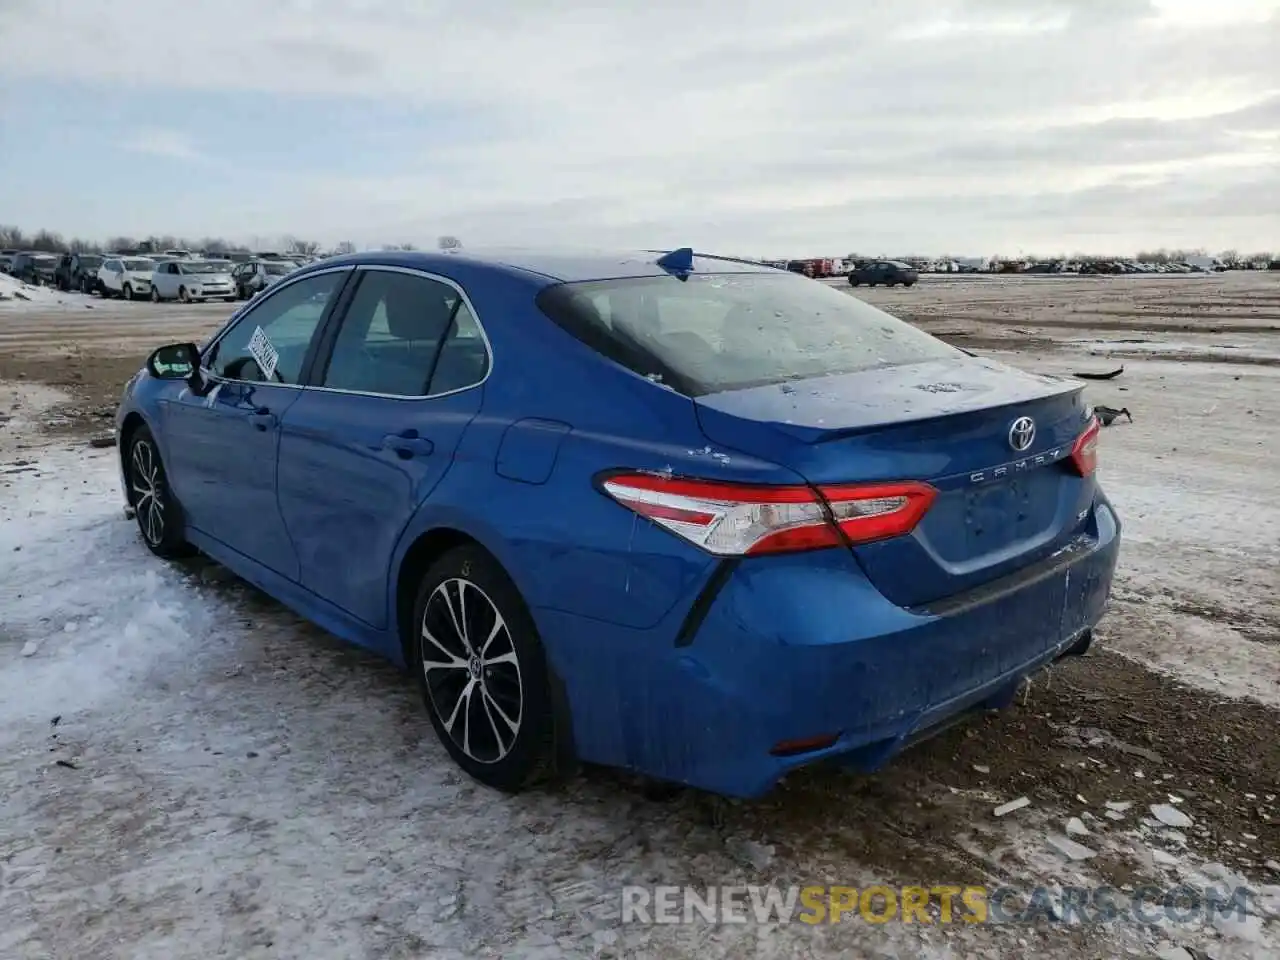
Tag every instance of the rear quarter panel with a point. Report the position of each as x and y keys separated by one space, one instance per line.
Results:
x=568 y=546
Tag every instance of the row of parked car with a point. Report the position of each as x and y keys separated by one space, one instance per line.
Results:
x=173 y=275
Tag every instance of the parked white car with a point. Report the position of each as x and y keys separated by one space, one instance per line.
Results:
x=128 y=277
x=189 y=280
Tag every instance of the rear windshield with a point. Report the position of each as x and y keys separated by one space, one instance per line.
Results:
x=733 y=331
x=279 y=269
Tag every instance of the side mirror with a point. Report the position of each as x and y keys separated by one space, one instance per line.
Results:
x=177 y=361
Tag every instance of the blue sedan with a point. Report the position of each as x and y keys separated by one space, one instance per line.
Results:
x=686 y=515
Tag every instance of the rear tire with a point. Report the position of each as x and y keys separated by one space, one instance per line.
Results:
x=482 y=671
x=158 y=514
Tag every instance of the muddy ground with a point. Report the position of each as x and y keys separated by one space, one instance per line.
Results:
x=1177 y=703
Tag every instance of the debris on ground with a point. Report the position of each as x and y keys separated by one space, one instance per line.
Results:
x=1107 y=415
x=106 y=441
x=1109 y=375
x=1076 y=828
x=1170 y=816
x=1069 y=848
x=1011 y=806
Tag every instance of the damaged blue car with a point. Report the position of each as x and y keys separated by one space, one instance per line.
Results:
x=685 y=515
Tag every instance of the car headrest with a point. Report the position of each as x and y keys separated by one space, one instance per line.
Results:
x=411 y=316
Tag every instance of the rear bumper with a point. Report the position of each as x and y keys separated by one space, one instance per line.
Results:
x=794 y=648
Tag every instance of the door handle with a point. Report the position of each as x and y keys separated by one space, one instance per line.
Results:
x=408 y=447
x=262 y=419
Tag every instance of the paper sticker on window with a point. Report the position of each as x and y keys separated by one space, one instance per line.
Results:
x=263 y=353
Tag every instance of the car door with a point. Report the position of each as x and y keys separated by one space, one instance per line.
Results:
x=110 y=276
x=395 y=387
x=222 y=446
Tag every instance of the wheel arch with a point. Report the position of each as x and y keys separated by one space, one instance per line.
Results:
x=133 y=421
x=425 y=549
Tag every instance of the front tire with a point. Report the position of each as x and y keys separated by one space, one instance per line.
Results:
x=482 y=671
x=127 y=292
x=159 y=518
x=183 y=295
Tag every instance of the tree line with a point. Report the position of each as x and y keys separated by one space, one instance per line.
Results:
x=47 y=241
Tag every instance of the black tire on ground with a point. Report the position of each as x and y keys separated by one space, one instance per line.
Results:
x=158 y=514
x=229 y=299
x=909 y=283
x=126 y=292
x=854 y=283
x=483 y=677
x=183 y=295
x=155 y=294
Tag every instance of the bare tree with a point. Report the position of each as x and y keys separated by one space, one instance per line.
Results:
x=48 y=241
x=12 y=238
x=79 y=245
x=294 y=245
x=346 y=246
x=121 y=243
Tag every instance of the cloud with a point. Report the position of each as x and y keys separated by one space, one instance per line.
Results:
x=957 y=123
x=163 y=143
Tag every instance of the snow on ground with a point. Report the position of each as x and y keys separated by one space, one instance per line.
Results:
x=1194 y=480
x=15 y=295
x=22 y=409
x=189 y=771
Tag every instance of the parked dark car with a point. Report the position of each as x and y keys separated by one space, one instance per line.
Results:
x=36 y=268
x=77 y=271
x=890 y=273
x=84 y=271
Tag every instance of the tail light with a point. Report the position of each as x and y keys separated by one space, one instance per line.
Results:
x=1084 y=453
x=730 y=519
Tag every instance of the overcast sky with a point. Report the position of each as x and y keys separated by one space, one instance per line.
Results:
x=771 y=128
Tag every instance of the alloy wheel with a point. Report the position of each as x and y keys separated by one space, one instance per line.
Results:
x=148 y=493
x=472 y=670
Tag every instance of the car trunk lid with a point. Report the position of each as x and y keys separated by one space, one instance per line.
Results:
x=949 y=422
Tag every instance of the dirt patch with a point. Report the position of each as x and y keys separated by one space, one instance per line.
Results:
x=94 y=384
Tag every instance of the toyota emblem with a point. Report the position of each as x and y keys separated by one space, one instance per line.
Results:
x=1021 y=433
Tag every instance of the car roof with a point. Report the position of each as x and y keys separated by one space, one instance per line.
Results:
x=552 y=266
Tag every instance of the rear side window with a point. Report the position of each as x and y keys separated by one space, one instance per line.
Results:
x=406 y=336
x=734 y=331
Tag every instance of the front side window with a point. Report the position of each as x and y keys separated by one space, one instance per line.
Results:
x=288 y=320
x=406 y=336
x=734 y=331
